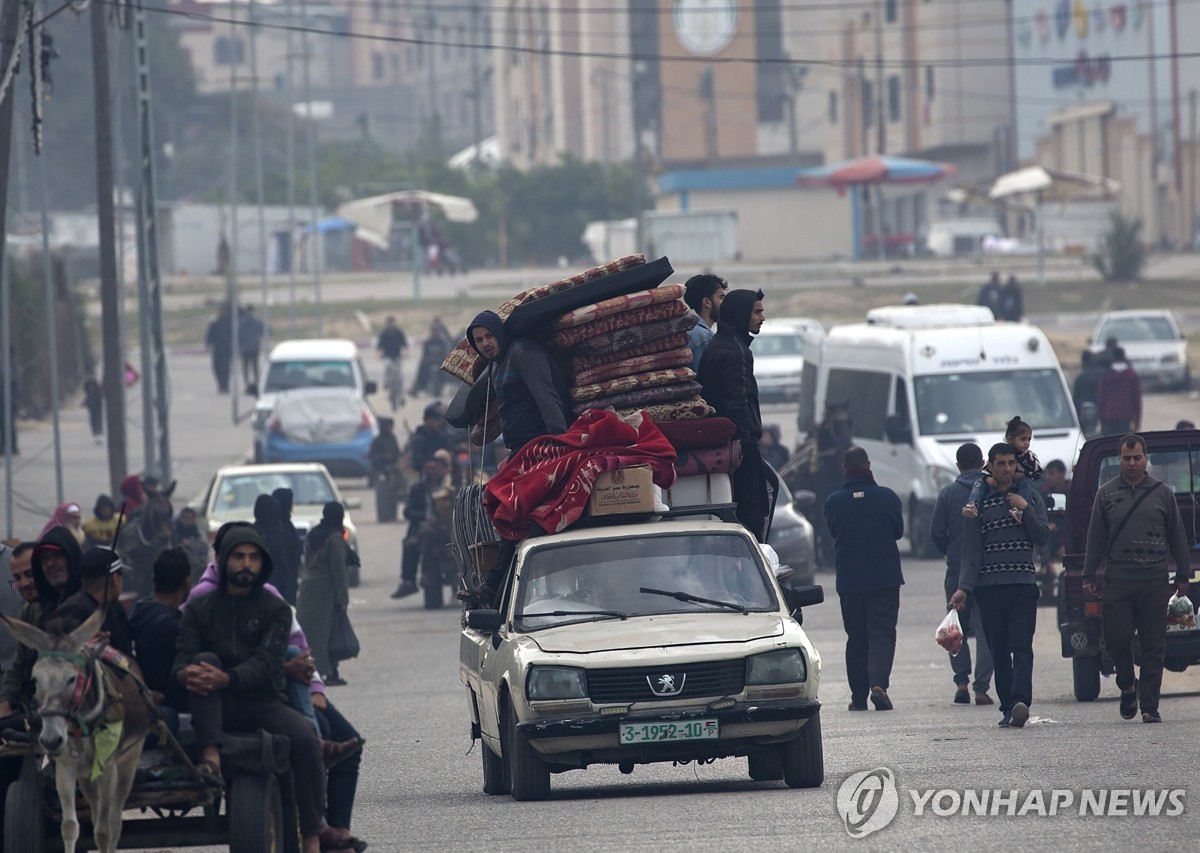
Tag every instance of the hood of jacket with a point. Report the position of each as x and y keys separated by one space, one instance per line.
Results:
x=968 y=478
x=491 y=321
x=65 y=541
x=735 y=314
x=241 y=536
x=267 y=510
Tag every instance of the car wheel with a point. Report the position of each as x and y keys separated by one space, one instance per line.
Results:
x=528 y=775
x=1086 y=670
x=495 y=774
x=803 y=758
x=765 y=766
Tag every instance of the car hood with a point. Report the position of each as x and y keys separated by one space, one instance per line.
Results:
x=658 y=632
x=319 y=415
x=778 y=365
x=304 y=517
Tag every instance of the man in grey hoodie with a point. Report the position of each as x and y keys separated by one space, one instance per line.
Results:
x=998 y=569
x=946 y=531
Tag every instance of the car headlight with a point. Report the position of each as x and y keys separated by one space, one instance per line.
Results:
x=1173 y=358
x=785 y=666
x=941 y=477
x=555 y=682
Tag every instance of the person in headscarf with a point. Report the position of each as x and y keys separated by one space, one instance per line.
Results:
x=70 y=516
x=268 y=521
x=324 y=585
x=287 y=500
x=133 y=493
x=101 y=528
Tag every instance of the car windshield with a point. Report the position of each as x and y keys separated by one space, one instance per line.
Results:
x=1178 y=467
x=582 y=578
x=239 y=491
x=778 y=344
x=315 y=373
x=1128 y=329
x=970 y=403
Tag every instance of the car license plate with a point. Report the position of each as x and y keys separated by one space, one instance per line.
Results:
x=668 y=732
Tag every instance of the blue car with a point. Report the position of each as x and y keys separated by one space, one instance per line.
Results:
x=333 y=426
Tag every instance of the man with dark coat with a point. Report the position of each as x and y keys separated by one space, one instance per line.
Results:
x=229 y=657
x=866 y=519
x=417 y=508
x=727 y=379
x=101 y=575
x=428 y=438
x=155 y=624
x=1087 y=384
x=1120 y=397
x=218 y=340
x=989 y=295
x=268 y=521
x=945 y=531
x=1012 y=302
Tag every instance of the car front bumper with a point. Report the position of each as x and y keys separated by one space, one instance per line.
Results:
x=348 y=459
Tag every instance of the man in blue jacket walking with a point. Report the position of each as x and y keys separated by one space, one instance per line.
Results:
x=865 y=520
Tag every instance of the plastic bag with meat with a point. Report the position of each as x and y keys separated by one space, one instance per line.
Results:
x=949 y=633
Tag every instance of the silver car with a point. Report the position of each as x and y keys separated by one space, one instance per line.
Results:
x=1153 y=345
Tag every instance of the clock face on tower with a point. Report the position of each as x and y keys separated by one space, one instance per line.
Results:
x=706 y=27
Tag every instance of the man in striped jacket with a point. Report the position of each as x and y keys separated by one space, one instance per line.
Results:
x=998 y=569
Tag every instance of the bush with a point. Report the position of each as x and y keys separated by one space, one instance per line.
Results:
x=1123 y=255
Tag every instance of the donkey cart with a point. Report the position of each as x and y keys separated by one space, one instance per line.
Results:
x=171 y=804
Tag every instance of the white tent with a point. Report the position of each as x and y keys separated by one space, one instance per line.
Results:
x=372 y=216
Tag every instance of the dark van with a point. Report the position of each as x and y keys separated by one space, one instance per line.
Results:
x=1175 y=459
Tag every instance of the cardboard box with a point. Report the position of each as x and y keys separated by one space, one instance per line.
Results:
x=626 y=490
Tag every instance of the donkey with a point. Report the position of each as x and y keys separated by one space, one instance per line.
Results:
x=85 y=706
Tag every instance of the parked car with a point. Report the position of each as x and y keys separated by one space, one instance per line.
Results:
x=1175 y=459
x=781 y=349
x=792 y=534
x=1153 y=345
x=233 y=489
x=661 y=641
x=333 y=426
x=306 y=363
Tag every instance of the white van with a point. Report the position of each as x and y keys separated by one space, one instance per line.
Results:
x=921 y=380
x=315 y=363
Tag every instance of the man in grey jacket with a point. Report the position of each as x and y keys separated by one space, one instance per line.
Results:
x=1135 y=526
x=945 y=530
x=998 y=569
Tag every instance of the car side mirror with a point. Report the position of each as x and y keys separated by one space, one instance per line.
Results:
x=370 y=388
x=803 y=499
x=898 y=429
x=488 y=621
x=806 y=595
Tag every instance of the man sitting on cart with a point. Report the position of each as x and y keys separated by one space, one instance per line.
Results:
x=229 y=657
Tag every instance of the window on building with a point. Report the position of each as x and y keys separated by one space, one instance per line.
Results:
x=929 y=82
x=889 y=11
x=376 y=66
x=228 y=51
x=833 y=106
x=893 y=95
x=773 y=86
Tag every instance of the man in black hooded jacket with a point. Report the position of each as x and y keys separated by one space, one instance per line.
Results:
x=727 y=377
x=229 y=657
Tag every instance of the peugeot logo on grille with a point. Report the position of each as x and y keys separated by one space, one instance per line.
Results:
x=667 y=684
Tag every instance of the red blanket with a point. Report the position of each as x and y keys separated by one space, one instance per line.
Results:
x=550 y=480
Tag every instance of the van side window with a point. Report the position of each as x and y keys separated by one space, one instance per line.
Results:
x=867 y=393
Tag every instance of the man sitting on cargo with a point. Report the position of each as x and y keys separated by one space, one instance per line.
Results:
x=532 y=392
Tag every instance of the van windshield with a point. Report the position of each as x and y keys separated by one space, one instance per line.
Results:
x=309 y=373
x=956 y=403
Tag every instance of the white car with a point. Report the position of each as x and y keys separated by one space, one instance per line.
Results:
x=1153 y=345
x=660 y=641
x=231 y=494
x=781 y=350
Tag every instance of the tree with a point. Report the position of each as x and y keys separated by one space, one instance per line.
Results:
x=1123 y=255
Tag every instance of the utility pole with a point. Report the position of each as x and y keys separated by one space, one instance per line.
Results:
x=234 y=305
x=149 y=273
x=290 y=136
x=1191 y=193
x=477 y=83
x=10 y=19
x=881 y=130
x=258 y=180
x=709 y=95
x=310 y=139
x=110 y=309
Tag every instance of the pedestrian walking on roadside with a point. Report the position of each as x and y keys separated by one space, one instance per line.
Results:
x=268 y=521
x=218 y=340
x=866 y=520
x=1120 y=397
x=324 y=585
x=1134 y=528
x=93 y=401
x=726 y=377
x=250 y=337
x=945 y=531
x=990 y=293
x=1012 y=302
x=999 y=571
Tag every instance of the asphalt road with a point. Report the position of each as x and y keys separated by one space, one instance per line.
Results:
x=420 y=788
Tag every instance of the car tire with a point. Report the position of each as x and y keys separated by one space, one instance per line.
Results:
x=1086 y=671
x=765 y=766
x=804 y=758
x=495 y=773
x=528 y=775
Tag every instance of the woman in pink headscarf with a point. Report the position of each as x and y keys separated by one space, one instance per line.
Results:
x=67 y=515
x=133 y=493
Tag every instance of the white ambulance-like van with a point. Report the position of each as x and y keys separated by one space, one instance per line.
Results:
x=921 y=380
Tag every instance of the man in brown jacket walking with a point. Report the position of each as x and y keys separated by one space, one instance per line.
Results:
x=1135 y=526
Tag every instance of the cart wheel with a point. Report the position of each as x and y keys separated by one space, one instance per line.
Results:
x=26 y=826
x=255 y=815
